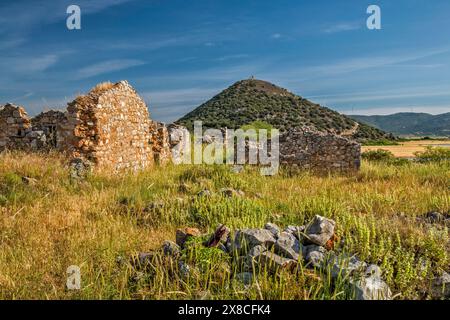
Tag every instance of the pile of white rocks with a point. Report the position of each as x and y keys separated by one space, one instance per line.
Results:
x=274 y=249
x=312 y=244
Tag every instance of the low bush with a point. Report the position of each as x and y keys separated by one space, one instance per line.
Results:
x=433 y=154
x=378 y=155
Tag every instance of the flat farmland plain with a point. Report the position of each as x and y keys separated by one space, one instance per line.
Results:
x=408 y=148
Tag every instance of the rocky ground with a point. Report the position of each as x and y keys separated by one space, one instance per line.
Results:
x=54 y=215
x=270 y=250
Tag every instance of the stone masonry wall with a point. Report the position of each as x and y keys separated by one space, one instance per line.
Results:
x=110 y=127
x=14 y=126
x=47 y=123
x=179 y=139
x=160 y=142
x=314 y=150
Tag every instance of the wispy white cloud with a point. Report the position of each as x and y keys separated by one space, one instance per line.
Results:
x=400 y=93
x=24 y=96
x=45 y=12
x=215 y=74
x=27 y=64
x=169 y=105
x=11 y=43
x=107 y=67
x=39 y=64
x=94 y=6
x=180 y=95
x=146 y=44
x=340 y=67
x=342 y=27
x=232 y=57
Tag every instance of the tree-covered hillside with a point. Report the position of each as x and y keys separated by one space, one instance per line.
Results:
x=252 y=100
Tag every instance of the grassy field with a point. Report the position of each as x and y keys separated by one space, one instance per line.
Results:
x=408 y=148
x=98 y=224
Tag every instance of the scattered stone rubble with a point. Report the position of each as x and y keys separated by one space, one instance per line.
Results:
x=434 y=217
x=440 y=288
x=273 y=249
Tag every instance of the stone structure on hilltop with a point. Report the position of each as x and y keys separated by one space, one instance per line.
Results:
x=310 y=149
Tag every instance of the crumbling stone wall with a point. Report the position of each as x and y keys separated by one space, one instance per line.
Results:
x=310 y=149
x=108 y=127
x=14 y=126
x=47 y=123
x=111 y=127
x=179 y=139
x=160 y=142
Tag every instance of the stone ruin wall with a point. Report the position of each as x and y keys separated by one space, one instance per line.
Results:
x=45 y=128
x=160 y=142
x=179 y=143
x=310 y=149
x=47 y=119
x=14 y=126
x=307 y=148
x=110 y=127
x=18 y=131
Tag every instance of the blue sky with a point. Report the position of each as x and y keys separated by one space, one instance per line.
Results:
x=180 y=53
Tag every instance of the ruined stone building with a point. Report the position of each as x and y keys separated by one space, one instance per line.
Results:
x=311 y=149
x=47 y=123
x=14 y=125
x=307 y=148
x=110 y=127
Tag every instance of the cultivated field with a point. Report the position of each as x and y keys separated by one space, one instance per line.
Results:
x=408 y=148
x=100 y=223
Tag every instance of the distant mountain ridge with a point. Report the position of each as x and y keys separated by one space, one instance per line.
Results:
x=253 y=100
x=410 y=123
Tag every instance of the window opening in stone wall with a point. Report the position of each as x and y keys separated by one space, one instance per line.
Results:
x=50 y=132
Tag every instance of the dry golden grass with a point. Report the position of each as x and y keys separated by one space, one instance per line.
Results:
x=101 y=87
x=98 y=224
x=408 y=148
